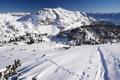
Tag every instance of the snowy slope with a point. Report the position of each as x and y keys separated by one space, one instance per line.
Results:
x=100 y=62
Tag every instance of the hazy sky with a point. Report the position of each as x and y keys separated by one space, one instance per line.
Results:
x=81 y=5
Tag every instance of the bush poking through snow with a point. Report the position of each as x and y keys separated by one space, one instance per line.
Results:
x=10 y=70
x=66 y=47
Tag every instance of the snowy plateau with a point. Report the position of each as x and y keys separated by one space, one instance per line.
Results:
x=58 y=44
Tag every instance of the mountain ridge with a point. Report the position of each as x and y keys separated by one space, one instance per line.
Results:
x=46 y=21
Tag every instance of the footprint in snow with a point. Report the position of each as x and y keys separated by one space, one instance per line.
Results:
x=34 y=50
x=87 y=76
x=83 y=73
x=118 y=60
x=88 y=69
x=90 y=61
x=118 y=65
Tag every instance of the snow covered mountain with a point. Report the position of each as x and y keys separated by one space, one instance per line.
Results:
x=46 y=21
x=51 y=21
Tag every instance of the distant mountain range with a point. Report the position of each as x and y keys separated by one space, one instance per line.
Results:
x=111 y=17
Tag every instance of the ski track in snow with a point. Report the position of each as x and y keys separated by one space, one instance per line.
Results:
x=103 y=64
x=108 y=65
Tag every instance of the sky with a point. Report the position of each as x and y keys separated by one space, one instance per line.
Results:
x=100 y=6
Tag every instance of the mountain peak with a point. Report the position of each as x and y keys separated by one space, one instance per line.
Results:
x=58 y=8
x=58 y=17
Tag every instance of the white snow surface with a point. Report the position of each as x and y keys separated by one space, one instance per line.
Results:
x=49 y=61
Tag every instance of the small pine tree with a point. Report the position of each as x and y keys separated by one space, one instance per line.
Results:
x=0 y=74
